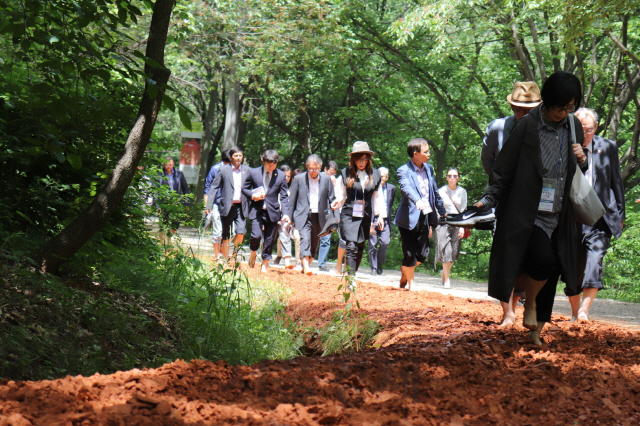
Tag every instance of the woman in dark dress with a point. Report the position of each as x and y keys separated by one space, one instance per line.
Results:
x=535 y=237
x=359 y=191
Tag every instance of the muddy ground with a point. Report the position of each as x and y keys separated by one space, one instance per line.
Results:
x=439 y=360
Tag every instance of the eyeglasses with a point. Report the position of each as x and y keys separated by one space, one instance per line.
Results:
x=452 y=176
x=588 y=129
x=362 y=161
x=314 y=170
x=565 y=110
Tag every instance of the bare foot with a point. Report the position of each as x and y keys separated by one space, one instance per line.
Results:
x=530 y=319
x=508 y=319
x=252 y=259
x=403 y=279
x=534 y=337
x=582 y=316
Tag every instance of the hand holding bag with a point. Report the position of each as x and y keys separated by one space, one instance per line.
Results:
x=467 y=231
x=587 y=207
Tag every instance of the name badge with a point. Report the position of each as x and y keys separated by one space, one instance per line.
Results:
x=548 y=200
x=358 y=208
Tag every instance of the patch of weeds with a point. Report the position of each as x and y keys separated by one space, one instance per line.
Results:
x=347 y=331
x=50 y=328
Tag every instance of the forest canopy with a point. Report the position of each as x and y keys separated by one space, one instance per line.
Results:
x=300 y=77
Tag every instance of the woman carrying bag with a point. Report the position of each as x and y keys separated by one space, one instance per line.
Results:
x=357 y=189
x=448 y=237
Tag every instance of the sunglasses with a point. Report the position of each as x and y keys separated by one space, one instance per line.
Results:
x=452 y=176
x=362 y=161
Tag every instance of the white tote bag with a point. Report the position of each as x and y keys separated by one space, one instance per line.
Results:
x=587 y=207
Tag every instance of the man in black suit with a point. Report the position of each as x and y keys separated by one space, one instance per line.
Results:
x=593 y=241
x=312 y=199
x=234 y=206
x=267 y=188
x=378 y=254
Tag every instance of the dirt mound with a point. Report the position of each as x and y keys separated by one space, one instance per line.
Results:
x=439 y=360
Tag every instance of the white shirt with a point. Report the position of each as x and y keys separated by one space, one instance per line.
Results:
x=383 y=203
x=237 y=184
x=459 y=197
x=423 y=182
x=378 y=202
x=314 y=193
x=265 y=180
x=589 y=174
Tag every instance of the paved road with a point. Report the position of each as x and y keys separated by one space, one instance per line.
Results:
x=603 y=310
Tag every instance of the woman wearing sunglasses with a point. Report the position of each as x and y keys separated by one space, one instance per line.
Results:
x=448 y=237
x=359 y=192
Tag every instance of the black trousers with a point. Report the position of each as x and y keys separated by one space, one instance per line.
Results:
x=261 y=222
x=309 y=239
x=541 y=263
x=354 y=256
x=415 y=242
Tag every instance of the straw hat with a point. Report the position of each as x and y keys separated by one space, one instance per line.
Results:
x=360 y=147
x=525 y=94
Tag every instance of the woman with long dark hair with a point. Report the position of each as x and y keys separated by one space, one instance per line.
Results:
x=358 y=189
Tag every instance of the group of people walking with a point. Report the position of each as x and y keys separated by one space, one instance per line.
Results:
x=530 y=158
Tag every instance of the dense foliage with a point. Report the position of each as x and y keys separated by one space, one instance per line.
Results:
x=304 y=76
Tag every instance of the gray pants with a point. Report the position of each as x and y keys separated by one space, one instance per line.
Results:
x=284 y=248
x=378 y=254
x=592 y=247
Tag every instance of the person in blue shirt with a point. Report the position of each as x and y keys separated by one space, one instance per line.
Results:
x=213 y=215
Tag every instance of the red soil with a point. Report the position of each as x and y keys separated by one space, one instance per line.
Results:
x=439 y=361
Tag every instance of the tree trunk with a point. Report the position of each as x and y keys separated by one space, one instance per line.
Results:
x=536 y=46
x=232 y=115
x=528 y=73
x=64 y=245
x=632 y=165
x=207 y=139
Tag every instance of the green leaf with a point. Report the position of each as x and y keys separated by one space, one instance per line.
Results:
x=168 y=102
x=59 y=156
x=152 y=90
x=153 y=63
x=53 y=39
x=24 y=216
x=184 y=117
x=75 y=160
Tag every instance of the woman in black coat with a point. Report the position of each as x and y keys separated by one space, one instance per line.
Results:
x=533 y=238
x=358 y=189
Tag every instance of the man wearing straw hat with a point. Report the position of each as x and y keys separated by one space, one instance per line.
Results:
x=524 y=97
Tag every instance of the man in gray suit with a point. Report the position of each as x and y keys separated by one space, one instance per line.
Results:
x=379 y=239
x=311 y=200
x=604 y=176
x=234 y=206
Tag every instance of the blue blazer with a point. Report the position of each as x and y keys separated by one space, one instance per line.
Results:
x=408 y=214
x=276 y=206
